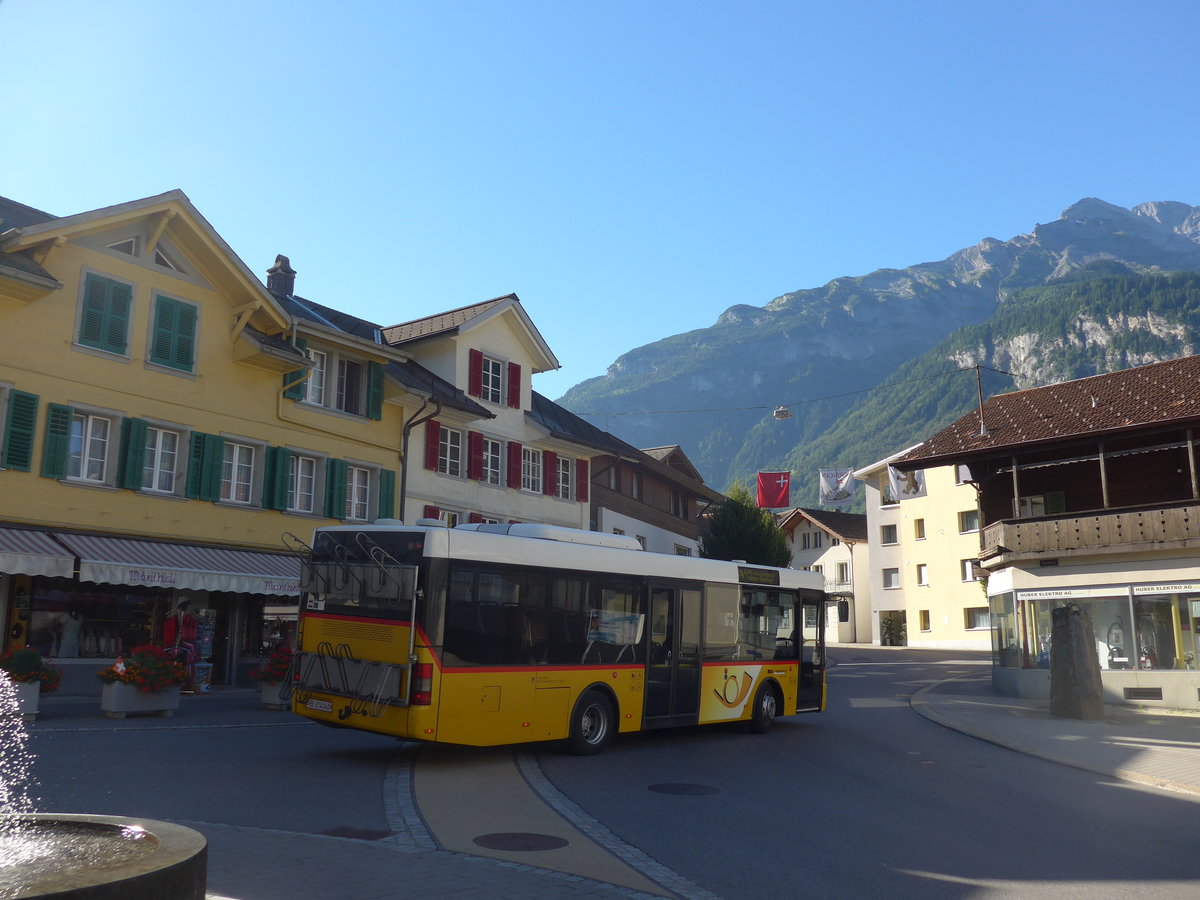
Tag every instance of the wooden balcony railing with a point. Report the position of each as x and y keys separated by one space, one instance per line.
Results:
x=1104 y=531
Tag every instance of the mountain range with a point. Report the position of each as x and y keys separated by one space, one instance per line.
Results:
x=870 y=365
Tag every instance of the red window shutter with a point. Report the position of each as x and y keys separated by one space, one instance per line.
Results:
x=475 y=519
x=581 y=480
x=514 y=465
x=432 y=512
x=475 y=375
x=549 y=472
x=433 y=435
x=474 y=455
x=514 y=385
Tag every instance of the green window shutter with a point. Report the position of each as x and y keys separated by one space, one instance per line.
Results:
x=1055 y=503
x=276 y=478
x=206 y=453
x=58 y=440
x=375 y=390
x=387 y=494
x=296 y=391
x=173 y=342
x=133 y=454
x=195 y=474
x=336 y=471
x=104 y=321
x=20 y=425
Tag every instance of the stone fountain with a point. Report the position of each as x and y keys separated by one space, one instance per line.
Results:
x=84 y=856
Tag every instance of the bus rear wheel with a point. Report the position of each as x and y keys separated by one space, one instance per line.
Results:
x=766 y=707
x=592 y=724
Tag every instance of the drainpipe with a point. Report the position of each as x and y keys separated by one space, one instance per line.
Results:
x=413 y=421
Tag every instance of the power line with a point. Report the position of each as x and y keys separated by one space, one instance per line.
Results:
x=878 y=387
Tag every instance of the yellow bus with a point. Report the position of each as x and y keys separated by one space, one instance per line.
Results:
x=499 y=634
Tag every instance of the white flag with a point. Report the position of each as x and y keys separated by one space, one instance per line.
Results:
x=906 y=485
x=837 y=487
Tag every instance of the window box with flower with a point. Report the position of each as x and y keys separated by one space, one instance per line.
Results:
x=30 y=676
x=148 y=680
x=272 y=675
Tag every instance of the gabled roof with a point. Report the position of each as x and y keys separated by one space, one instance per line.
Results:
x=673 y=456
x=465 y=318
x=564 y=424
x=414 y=376
x=311 y=311
x=14 y=215
x=850 y=528
x=1151 y=396
x=179 y=216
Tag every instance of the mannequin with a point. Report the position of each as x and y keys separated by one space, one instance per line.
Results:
x=179 y=634
x=72 y=625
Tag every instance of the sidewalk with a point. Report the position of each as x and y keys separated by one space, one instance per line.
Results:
x=1152 y=747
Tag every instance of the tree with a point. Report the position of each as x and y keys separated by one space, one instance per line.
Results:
x=740 y=530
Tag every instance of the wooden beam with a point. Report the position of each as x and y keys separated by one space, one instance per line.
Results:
x=159 y=227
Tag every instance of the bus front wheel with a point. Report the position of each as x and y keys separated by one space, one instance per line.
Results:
x=766 y=707
x=592 y=724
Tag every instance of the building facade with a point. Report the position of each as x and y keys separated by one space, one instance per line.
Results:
x=1089 y=494
x=834 y=544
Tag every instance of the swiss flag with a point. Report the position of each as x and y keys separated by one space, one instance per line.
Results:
x=773 y=489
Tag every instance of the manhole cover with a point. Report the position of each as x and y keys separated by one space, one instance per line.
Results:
x=690 y=790
x=520 y=841
x=359 y=834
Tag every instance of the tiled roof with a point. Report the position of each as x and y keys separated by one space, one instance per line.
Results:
x=311 y=311
x=18 y=215
x=851 y=527
x=412 y=374
x=1143 y=397
x=437 y=324
x=563 y=423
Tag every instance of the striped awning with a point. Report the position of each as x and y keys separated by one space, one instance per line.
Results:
x=114 y=560
x=26 y=552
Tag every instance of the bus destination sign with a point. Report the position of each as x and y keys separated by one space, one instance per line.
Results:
x=747 y=575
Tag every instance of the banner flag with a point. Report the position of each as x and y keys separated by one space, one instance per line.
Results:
x=837 y=487
x=774 y=489
x=906 y=485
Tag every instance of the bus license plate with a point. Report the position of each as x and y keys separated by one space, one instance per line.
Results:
x=320 y=705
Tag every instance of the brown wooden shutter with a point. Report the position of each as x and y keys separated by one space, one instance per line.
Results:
x=433 y=435
x=514 y=385
x=475 y=375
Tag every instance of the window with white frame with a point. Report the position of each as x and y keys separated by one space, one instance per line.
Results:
x=887 y=534
x=450 y=517
x=493 y=461
x=843 y=573
x=977 y=618
x=237 y=473
x=358 y=493
x=891 y=578
x=161 y=460
x=89 y=449
x=302 y=484
x=817 y=540
x=919 y=529
x=566 y=476
x=820 y=570
x=968 y=520
x=970 y=569
x=351 y=386
x=922 y=574
x=492 y=383
x=681 y=550
x=635 y=485
x=315 y=386
x=449 y=451
x=531 y=470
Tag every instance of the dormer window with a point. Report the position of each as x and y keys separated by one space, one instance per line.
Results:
x=337 y=382
x=494 y=380
x=492 y=387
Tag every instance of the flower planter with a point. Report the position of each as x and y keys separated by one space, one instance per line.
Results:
x=270 y=696
x=117 y=699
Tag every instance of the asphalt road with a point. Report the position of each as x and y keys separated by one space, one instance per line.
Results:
x=870 y=799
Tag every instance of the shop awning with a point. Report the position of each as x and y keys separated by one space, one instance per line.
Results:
x=113 y=560
x=25 y=552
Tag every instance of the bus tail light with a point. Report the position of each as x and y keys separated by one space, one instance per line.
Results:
x=422 y=684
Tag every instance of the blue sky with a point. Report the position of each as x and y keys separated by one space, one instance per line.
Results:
x=629 y=169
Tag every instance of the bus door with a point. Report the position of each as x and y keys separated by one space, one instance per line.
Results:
x=673 y=657
x=811 y=635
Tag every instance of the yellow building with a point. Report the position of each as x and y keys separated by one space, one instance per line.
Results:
x=923 y=534
x=154 y=447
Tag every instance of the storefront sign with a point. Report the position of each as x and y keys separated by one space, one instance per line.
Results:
x=1074 y=593
x=1178 y=587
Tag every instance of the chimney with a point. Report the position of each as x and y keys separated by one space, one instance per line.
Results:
x=281 y=277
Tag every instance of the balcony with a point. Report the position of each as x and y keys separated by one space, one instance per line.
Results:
x=1087 y=534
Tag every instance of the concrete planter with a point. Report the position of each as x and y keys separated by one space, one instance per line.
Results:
x=29 y=695
x=117 y=699
x=270 y=696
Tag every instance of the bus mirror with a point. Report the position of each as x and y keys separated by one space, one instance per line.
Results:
x=408 y=583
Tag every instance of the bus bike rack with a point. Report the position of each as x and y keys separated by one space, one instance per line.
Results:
x=366 y=695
